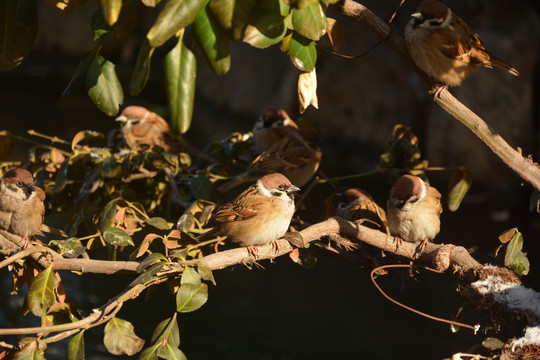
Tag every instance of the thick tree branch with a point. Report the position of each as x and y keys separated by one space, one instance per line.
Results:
x=524 y=167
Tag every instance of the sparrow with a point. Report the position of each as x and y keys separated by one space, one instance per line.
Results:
x=444 y=47
x=258 y=216
x=271 y=126
x=297 y=156
x=357 y=204
x=414 y=210
x=21 y=203
x=141 y=126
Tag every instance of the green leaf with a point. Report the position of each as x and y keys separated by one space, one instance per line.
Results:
x=181 y=71
x=109 y=167
x=166 y=339
x=514 y=257
x=150 y=3
x=69 y=248
x=205 y=272
x=232 y=15
x=175 y=15
x=460 y=182
x=59 y=313
x=61 y=177
x=302 y=52
x=200 y=187
x=190 y=297
x=120 y=338
x=31 y=349
x=190 y=276
x=300 y=4
x=266 y=24
x=310 y=22
x=167 y=330
x=111 y=10
x=77 y=84
x=117 y=237
x=212 y=41
x=492 y=343
x=142 y=69
x=185 y=222
x=18 y=31
x=103 y=85
x=41 y=294
x=107 y=216
x=75 y=348
x=151 y=260
x=158 y=223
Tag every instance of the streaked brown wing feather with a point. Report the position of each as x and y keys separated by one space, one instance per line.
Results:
x=245 y=206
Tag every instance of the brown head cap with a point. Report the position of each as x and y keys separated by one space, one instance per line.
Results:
x=271 y=181
x=406 y=186
x=16 y=175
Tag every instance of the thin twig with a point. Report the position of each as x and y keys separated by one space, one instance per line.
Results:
x=372 y=275
x=524 y=167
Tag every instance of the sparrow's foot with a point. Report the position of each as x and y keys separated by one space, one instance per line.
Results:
x=252 y=250
x=276 y=246
x=437 y=89
x=420 y=249
x=398 y=242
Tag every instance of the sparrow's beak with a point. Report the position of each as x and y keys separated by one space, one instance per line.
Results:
x=121 y=118
x=292 y=189
x=29 y=189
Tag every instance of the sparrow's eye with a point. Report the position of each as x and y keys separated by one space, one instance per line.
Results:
x=282 y=187
x=435 y=22
x=19 y=183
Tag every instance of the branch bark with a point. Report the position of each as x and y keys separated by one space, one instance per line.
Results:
x=524 y=167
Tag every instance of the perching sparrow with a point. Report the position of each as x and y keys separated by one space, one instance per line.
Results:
x=141 y=126
x=21 y=203
x=414 y=210
x=444 y=47
x=357 y=204
x=272 y=126
x=258 y=216
x=297 y=156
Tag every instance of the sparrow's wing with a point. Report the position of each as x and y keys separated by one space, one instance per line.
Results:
x=245 y=206
x=457 y=40
x=434 y=196
x=290 y=153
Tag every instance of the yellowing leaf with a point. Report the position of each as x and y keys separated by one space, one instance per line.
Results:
x=111 y=10
x=459 y=184
x=41 y=294
x=120 y=338
x=307 y=90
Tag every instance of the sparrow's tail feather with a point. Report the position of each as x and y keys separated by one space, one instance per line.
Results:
x=502 y=65
x=231 y=184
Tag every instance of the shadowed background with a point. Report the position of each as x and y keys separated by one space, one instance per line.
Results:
x=332 y=310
